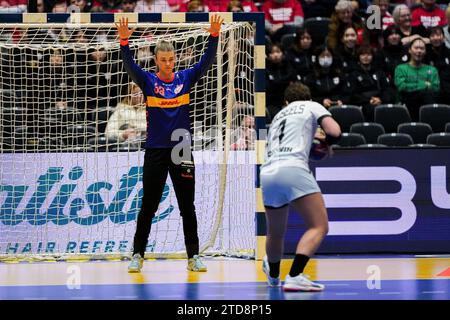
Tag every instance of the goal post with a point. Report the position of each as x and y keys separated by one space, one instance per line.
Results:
x=71 y=187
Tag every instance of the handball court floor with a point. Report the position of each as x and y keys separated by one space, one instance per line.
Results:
x=375 y=277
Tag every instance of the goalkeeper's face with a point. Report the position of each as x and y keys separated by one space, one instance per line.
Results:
x=165 y=61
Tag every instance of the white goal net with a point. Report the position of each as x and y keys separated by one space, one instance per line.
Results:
x=72 y=128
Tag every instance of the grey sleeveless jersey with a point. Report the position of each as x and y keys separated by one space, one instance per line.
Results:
x=291 y=134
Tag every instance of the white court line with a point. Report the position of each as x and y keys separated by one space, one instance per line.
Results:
x=170 y=296
x=433 y=291
x=81 y=298
x=336 y=284
x=215 y=295
x=347 y=293
x=393 y=292
x=126 y=297
x=35 y=298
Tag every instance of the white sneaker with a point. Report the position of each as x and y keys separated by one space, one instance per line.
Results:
x=195 y=264
x=301 y=283
x=272 y=282
x=136 y=263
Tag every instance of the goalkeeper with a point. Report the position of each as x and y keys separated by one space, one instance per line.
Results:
x=167 y=108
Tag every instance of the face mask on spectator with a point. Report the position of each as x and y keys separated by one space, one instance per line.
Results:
x=325 y=61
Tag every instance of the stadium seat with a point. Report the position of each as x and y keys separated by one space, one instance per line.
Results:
x=447 y=127
x=391 y=115
x=351 y=140
x=441 y=139
x=436 y=115
x=422 y=145
x=102 y=143
x=286 y=40
x=418 y=131
x=370 y=130
x=395 y=139
x=372 y=145
x=78 y=135
x=318 y=29
x=347 y=115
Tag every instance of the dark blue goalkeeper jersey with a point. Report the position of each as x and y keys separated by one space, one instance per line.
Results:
x=167 y=103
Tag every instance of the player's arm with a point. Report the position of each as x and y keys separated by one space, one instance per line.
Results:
x=331 y=128
x=135 y=71
x=207 y=59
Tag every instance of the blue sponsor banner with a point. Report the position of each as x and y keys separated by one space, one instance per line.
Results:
x=387 y=200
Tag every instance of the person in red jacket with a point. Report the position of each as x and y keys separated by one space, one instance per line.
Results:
x=282 y=16
x=429 y=15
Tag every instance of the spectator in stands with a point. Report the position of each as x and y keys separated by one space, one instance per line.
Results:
x=13 y=6
x=345 y=53
x=60 y=7
x=417 y=83
x=247 y=6
x=282 y=17
x=235 y=6
x=40 y=6
x=245 y=135
x=279 y=74
x=152 y=6
x=438 y=55
x=208 y=5
x=102 y=81
x=128 y=122
x=81 y=4
x=342 y=18
x=447 y=28
x=318 y=8
x=328 y=85
x=127 y=6
x=428 y=15
x=299 y=54
x=402 y=18
x=386 y=18
x=393 y=52
x=370 y=86
x=195 y=6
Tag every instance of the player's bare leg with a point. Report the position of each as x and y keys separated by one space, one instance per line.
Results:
x=313 y=211
x=276 y=228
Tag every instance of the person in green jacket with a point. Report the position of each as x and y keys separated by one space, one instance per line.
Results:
x=417 y=83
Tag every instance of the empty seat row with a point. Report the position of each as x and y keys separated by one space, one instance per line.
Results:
x=352 y=139
x=390 y=116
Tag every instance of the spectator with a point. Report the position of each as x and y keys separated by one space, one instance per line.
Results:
x=318 y=8
x=386 y=17
x=438 y=55
x=342 y=18
x=13 y=6
x=402 y=18
x=195 y=6
x=328 y=85
x=235 y=6
x=417 y=83
x=279 y=74
x=299 y=54
x=128 y=122
x=60 y=7
x=282 y=17
x=128 y=5
x=152 y=6
x=447 y=28
x=428 y=15
x=393 y=52
x=370 y=86
x=247 y=5
x=345 y=53
x=208 y=5
x=245 y=135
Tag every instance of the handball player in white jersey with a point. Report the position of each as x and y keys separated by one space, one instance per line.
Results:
x=287 y=180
